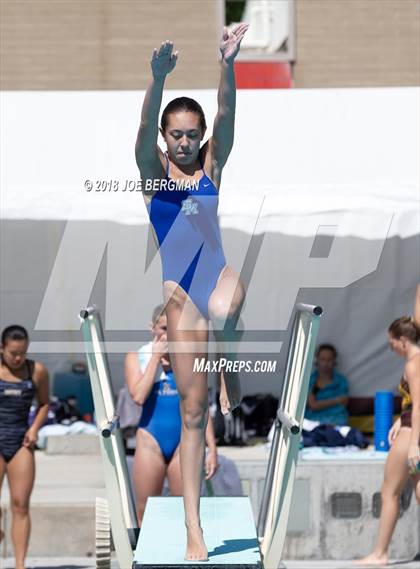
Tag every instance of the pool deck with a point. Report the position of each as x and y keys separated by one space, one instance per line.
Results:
x=63 y=501
x=88 y=563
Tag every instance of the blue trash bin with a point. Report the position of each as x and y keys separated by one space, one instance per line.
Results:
x=384 y=410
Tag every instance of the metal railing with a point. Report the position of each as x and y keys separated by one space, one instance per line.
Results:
x=276 y=501
x=121 y=503
x=278 y=488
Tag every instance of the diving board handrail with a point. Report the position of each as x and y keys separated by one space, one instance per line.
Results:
x=117 y=482
x=109 y=426
x=276 y=501
x=311 y=308
x=285 y=420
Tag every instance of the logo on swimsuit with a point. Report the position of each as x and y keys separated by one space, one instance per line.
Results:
x=167 y=390
x=13 y=392
x=189 y=206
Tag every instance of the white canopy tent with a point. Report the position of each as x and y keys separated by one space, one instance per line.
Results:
x=319 y=203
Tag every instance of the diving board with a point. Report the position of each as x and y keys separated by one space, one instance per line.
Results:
x=227 y=522
x=228 y=528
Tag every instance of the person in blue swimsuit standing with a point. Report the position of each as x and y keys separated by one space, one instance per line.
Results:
x=150 y=381
x=21 y=380
x=198 y=285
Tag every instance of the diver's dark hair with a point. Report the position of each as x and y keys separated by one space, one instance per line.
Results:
x=407 y=327
x=183 y=104
x=328 y=347
x=14 y=332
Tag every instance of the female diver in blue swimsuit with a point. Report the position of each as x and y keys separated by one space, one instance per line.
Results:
x=151 y=383
x=198 y=285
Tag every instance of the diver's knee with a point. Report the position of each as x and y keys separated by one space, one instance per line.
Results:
x=194 y=415
x=222 y=311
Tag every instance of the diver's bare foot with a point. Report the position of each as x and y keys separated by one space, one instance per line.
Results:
x=196 y=548
x=372 y=560
x=230 y=391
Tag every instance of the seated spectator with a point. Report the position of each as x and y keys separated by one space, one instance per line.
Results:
x=328 y=390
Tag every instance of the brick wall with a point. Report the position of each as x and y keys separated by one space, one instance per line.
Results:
x=106 y=44
x=351 y=43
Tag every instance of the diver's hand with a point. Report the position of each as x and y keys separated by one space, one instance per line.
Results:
x=160 y=346
x=413 y=458
x=30 y=438
x=231 y=41
x=163 y=60
x=211 y=464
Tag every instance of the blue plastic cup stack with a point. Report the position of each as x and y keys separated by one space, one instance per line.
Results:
x=384 y=409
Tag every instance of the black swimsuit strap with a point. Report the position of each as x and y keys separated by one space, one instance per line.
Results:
x=28 y=367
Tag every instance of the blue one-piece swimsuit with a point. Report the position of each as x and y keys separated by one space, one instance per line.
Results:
x=187 y=229
x=161 y=416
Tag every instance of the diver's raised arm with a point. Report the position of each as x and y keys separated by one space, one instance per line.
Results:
x=224 y=123
x=163 y=62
